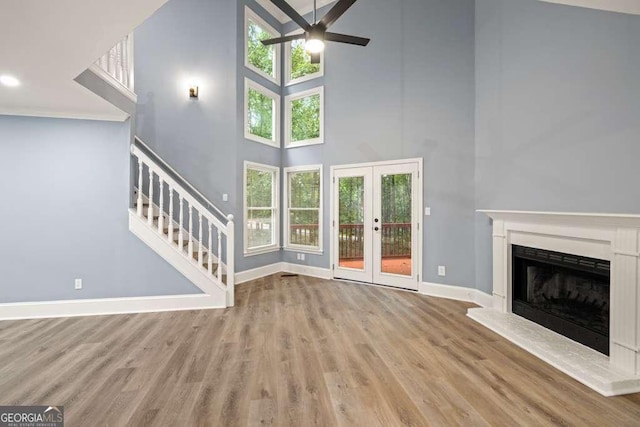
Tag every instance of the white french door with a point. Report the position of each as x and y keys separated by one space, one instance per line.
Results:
x=375 y=223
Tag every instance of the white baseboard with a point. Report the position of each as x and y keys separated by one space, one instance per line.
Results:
x=258 y=273
x=456 y=293
x=104 y=306
x=282 y=267
x=307 y=270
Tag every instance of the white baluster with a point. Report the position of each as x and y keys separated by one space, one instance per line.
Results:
x=150 y=209
x=219 y=256
x=180 y=233
x=139 y=202
x=170 y=218
x=210 y=262
x=199 y=238
x=161 y=207
x=111 y=63
x=190 y=247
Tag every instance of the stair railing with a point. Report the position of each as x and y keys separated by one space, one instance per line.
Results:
x=118 y=62
x=209 y=235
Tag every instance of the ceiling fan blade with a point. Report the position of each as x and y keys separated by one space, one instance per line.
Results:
x=282 y=39
x=291 y=13
x=343 y=38
x=315 y=58
x=336 y=12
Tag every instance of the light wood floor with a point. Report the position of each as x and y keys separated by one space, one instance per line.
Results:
x=294 y=351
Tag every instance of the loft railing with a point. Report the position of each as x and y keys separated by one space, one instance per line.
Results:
x=118 y=62
x=170 y=210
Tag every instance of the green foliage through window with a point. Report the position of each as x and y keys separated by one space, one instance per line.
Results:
x=260 y=56
x=261 y=210
x=260 y=113
x=301 y=61
x=305 y=118
x=304 y=208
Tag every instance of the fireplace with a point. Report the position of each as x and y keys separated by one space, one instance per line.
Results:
x=566 y=293
x=585 y=276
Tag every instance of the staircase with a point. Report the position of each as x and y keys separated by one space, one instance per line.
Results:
x=171 y=218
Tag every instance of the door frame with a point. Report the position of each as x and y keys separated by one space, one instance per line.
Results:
x=332 y=220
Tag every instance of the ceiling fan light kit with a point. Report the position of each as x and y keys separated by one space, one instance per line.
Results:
x=316 y=34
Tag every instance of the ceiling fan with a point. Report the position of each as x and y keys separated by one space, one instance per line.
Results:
x=316 y=34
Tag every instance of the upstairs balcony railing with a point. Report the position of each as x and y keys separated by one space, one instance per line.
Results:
x=118 y=62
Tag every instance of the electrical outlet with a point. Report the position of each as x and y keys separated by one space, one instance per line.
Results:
x=225 y=197
x=78 y=283
x=427 y=211
x=442 y=270
x=301 y=257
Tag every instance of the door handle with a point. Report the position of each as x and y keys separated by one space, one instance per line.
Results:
x=376 y=220
x=376 y=228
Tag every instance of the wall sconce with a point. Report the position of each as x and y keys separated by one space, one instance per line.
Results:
x=193 y=91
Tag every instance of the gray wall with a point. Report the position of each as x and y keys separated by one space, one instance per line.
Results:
x=410 y=93
x=191 y=41
x=66 y=188
x=557 y=112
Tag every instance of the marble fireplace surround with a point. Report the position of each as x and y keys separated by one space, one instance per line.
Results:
x=611 y=237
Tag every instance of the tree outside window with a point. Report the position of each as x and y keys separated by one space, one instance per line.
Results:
x=304 y=195
x=261 y=214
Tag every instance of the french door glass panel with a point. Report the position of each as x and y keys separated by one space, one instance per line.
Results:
x=395 y=228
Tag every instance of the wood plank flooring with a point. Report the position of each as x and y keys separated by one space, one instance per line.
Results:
x=294 y=351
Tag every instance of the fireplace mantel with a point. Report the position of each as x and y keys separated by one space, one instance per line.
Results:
x=613 y=237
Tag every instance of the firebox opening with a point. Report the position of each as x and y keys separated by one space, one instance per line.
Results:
x=568 y=294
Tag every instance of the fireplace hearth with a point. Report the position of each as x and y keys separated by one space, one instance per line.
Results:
x=566 y=293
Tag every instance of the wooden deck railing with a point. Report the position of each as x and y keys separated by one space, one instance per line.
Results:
x=396 y=239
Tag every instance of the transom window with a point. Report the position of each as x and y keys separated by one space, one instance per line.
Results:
x=304 y=122
x=298 y=66
x=261 y=216
x=262 y=114
x=303 y=204
x=264 y=60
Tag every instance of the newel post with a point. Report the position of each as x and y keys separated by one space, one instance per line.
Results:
x=230 y=262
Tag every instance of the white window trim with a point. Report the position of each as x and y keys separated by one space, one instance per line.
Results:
x=288 y=64
x=275 y=246
x=301 y=248
x=250 y=15
x=250 y=84
x=287 y=123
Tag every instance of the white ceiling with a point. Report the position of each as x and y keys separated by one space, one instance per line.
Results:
x=622 y=6
x=46 y=44
x=301 y=6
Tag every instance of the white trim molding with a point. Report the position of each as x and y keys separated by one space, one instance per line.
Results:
x=105 y=306
x=275 y=208
x=288 y=117
x=282 y=267
x=611 y=237
x=621 y=6
x=113 y=82
x=457 y=293
x=251 y=16
x=285 y=210
x=288 y=64
x=275 y=119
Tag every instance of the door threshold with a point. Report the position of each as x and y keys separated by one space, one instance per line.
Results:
x=375 y=285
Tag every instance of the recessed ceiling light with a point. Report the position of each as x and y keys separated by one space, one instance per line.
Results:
x=9 y=81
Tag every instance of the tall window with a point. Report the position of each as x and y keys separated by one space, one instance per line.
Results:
x=262 y=114
x=261 y=208
x=298 y=66
x=264 y=60
x=304 y=118
x=303 y=216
